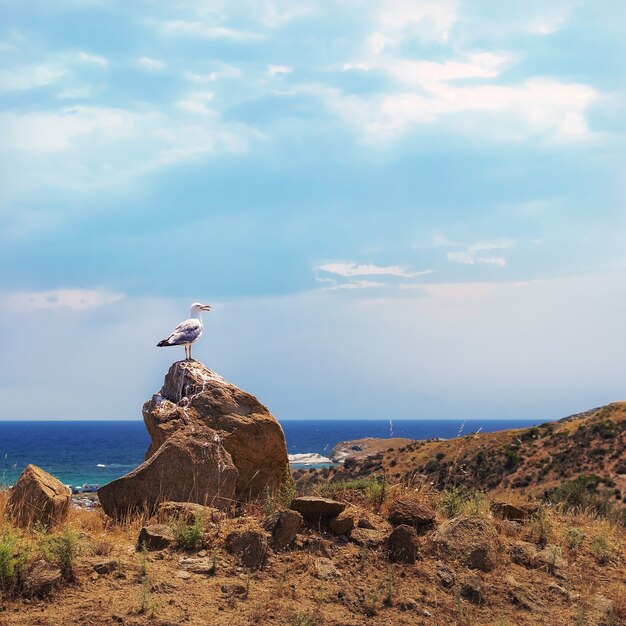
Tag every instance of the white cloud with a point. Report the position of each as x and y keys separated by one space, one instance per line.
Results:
x=273 y=70
x=354 y=269
x=200 y=29
x=31 y=77
x=358 y=284
x=93 y=59
x=150 y=64
x=472 y=254
x=537 y=107
x=196 y=102
x=72 y=299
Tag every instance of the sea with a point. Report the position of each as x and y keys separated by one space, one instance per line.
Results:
x=93 y=453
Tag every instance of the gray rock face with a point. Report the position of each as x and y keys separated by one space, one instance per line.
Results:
x=38 y=497
x=471 y=540
x=314 y=509
x=403 y=544
x=191 y=466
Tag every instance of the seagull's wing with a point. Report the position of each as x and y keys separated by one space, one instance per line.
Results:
x=186 y=332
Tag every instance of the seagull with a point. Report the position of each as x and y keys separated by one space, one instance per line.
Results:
x=187 y=332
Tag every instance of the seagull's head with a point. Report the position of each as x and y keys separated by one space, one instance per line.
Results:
x=197 y=308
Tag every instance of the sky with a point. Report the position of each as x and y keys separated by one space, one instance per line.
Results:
x=397 y=208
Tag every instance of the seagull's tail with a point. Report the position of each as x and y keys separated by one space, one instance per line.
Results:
x=162 y=343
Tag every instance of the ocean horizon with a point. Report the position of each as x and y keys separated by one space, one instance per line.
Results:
x=80 y=452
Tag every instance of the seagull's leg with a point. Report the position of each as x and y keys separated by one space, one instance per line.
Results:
x=190 y=353
x=186 y=353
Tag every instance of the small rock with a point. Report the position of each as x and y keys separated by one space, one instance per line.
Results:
x=472 y=540
x=551 y=559
x=367 y=537
x=250 y=546
x=412 y=513
x=343 y=523
x=403 y=544
x=513 y=512
x=284 y=526
x=325 y=569
x=472 y=590
x=318 y=546
x=182 y=574
x=187 y=512
x=558 y=589
x=523 y=553
x=314 y=509
x=522 y=597
x=38 y=498
x=365 y=523
x=41 y=579
x=197 y=565
x=426 y=613
x=445 y=574
x=105 y=567
x=155 y=537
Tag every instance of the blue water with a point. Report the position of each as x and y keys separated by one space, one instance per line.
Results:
x=98 y=452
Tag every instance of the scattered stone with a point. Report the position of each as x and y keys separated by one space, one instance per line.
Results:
x=105 y=567
x=523 y=598
x=250 y=546
x=473 y=591
x=284 y=526
x=551 y=559
x=314 y=509
x=365 y=523
x=403 y=544
x=197 y=565
x=558 y=589
x=407 y=605
x=523 y=553
x=514 y=512
x=183 y=575
x=411 y=512
x=426 y=613
x=318 y=546
x=343 y=523
x=188 y=512
x=38 y=498
x=445 y=574
x=155 y=537
x=41 y=579
x=472 y=540
x=368 y=538
x=325 y=569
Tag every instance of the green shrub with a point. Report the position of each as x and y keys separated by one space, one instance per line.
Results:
x=12 y=560
x=188 y=536
x=601 y=548
x=61 y=550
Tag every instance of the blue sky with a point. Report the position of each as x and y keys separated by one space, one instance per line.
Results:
x=400 y=208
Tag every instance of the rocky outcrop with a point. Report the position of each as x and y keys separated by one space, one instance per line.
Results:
x=193 y=396
x=191 y=466
x=212 y=443
x=188 y=513
x=38 y=498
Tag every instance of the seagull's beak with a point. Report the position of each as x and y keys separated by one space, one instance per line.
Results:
x=205 y=307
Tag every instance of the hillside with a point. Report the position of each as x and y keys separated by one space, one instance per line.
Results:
x=576 y=457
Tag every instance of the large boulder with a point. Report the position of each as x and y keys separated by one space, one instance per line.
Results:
x=471 y=540
x=193 y=396
x=314 y=508
x=403 y=544
x=192 y=465
x=38 y=498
